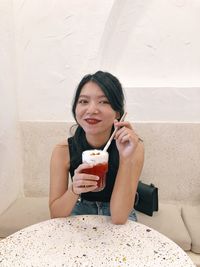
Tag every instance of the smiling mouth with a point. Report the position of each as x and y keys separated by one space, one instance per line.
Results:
x=92 y=121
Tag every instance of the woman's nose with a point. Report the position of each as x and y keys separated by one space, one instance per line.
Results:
x=92 y=108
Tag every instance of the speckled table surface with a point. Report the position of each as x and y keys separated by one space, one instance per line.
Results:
x=88 y=241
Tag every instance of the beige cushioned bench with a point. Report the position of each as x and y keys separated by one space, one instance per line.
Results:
x=23 y=212
x=191 y=218
x=172 y=161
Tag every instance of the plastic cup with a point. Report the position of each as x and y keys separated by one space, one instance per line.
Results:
x=99 y=159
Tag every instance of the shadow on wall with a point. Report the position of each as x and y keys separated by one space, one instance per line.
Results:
x=124 y=16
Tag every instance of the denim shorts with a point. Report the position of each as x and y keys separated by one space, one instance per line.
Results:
x=85 y=207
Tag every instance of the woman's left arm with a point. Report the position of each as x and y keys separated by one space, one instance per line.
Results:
x=131 y=159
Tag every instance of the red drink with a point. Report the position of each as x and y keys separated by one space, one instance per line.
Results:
x=100 y=160
x=99 y=170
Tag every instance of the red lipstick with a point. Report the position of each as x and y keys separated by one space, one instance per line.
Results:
x=92 y=121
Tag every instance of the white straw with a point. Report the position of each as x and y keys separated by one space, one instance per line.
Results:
x=113 y=134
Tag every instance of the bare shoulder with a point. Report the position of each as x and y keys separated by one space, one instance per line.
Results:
x=61 y=147
x=60 y=153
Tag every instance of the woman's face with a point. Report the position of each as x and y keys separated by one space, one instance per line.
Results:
x=94 y=112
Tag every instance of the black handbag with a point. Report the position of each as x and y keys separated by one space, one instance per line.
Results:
x=146 y=200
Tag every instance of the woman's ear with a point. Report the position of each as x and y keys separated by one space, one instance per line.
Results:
x=117 y=115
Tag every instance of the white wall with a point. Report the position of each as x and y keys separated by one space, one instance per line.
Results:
x=57 y=43
x=156 y=42
x=163 y=104
x=10 y=158
x=152 y=46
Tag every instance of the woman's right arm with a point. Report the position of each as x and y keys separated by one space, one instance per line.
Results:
x=61 y=198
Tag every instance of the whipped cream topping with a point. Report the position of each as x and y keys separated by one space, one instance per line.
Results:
x=94 y=156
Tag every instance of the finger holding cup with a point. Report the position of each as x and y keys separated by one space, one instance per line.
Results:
x=83 y=183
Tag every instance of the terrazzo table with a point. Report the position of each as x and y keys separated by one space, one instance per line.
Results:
x=90 y=241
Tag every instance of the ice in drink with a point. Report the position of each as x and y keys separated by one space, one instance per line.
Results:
x=99 y=159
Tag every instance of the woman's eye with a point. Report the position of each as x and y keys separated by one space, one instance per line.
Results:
x=82 y=101
x=104 y=102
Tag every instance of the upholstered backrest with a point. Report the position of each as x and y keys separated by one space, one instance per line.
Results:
x=172 y=157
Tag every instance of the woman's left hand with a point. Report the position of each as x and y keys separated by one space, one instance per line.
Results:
x=126 y=139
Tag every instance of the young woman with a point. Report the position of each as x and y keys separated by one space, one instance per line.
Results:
x=97 y=106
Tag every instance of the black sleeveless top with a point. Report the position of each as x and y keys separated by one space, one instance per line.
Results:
x=75 y=151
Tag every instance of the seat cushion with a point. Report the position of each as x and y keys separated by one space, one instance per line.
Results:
x=169 y=222
x=191 y=218
x=22 y=213
x=194 y=257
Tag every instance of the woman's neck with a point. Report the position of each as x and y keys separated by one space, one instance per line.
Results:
x=97 y=141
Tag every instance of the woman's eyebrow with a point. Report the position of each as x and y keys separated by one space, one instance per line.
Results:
x=102 y=96
x=84 y=96
x=88 y=96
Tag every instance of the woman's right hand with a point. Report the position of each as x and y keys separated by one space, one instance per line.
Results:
x=83 y=182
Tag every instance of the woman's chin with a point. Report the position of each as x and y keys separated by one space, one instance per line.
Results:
x=92 y=131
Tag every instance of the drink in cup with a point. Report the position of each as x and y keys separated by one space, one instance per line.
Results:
x=99 y=159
